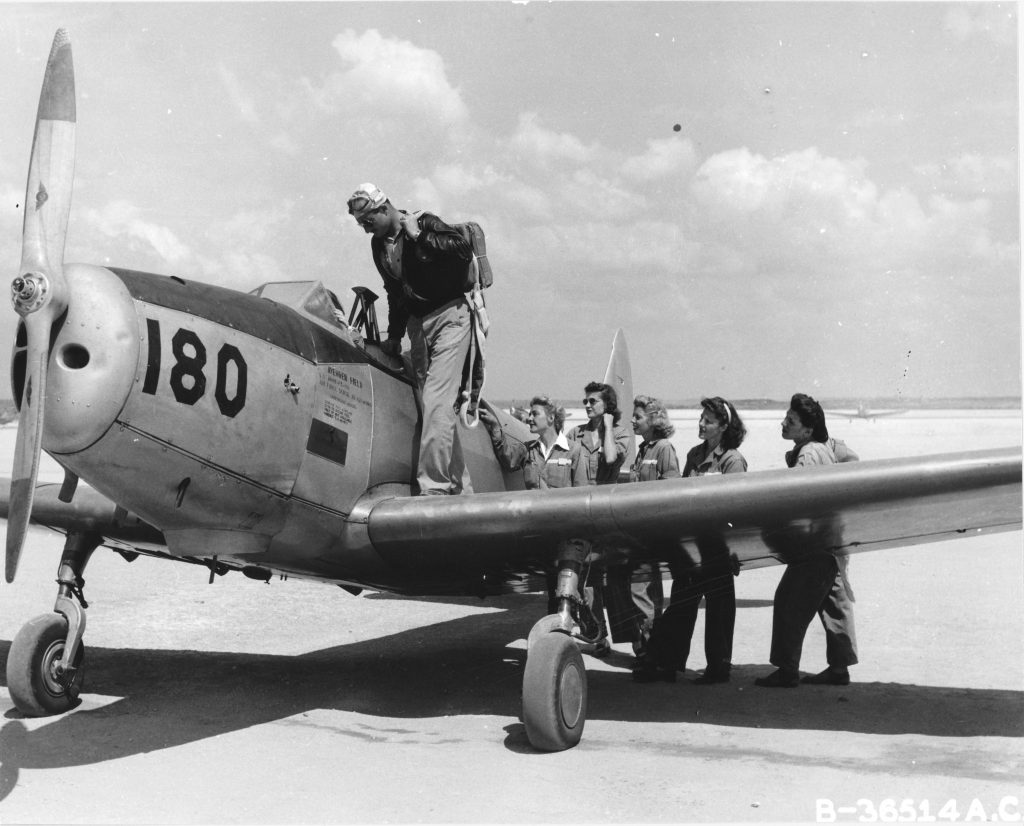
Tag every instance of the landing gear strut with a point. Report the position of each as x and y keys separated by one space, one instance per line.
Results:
x=555 y=681
x=44 y=666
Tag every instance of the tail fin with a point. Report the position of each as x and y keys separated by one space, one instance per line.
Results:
x=620 y=376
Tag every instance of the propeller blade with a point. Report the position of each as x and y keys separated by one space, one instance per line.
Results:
x=52 y=165
x=29 y=442
x=40 y=293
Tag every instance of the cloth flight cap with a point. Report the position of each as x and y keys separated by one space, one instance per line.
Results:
x=367 y=197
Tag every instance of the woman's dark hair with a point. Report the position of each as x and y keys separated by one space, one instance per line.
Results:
x=555 y=414
x=811 y=415
x=735 y=430
x=657 y=415
x=608 y=396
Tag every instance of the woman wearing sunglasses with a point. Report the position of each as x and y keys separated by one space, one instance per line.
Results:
x=603 y=441
x=603 y=445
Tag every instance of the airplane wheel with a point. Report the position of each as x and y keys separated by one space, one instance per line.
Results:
x=543 y=627
x=32 y=664
x=554 y=693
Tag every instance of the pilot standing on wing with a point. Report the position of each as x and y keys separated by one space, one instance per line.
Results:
x=814 y=583
x=423 y=263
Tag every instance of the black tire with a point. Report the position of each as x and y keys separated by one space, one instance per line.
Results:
x=543 y=627
x=36 y=650
x=554 y=693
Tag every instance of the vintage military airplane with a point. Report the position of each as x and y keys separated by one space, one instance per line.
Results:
x=255 y=433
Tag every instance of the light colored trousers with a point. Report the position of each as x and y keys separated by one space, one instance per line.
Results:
x=817 y=585
x=439 y=344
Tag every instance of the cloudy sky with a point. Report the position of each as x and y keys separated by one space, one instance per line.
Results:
x=767 y=197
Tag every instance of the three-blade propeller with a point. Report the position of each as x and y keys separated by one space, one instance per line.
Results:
x=40 y=293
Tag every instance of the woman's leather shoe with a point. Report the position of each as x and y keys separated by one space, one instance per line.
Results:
x=779 y=679
x=828 y=677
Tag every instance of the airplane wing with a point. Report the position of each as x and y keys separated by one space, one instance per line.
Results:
x=88 y=512
x=763 y=518
x=503 y=541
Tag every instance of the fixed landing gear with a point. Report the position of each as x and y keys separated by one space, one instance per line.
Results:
x=554 y=693
x=555 y=680
x=37 y=677
x=44 y=666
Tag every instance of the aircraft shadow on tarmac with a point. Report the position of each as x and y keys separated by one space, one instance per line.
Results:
x=458 y=667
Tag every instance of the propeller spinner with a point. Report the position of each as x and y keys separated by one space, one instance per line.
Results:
x=39 y=293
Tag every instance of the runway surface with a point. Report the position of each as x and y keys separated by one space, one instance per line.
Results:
x=294 y=702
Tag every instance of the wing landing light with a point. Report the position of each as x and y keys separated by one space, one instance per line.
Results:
x=39 y=292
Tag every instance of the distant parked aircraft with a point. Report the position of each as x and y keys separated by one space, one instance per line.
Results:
x=862 y=412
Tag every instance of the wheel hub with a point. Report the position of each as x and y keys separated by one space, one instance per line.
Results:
x=570 y=696
x=55 y=678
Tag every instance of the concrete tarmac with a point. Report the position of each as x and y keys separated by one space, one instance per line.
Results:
x=294 y=702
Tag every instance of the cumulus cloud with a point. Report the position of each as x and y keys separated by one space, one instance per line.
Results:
x=450 y=186
x=457 y=179
x=664 y=159
x=791 y=207
x=590 y=192
x=741 y=181
x=123 y=221
x=973 y=173
x=533 y=142
x=804 y=214
x=235 y=253
x=522 y=201
x=388 y=76
x=741 y=212
x=958 y=235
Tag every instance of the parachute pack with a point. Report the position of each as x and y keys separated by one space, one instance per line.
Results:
x=478 y=273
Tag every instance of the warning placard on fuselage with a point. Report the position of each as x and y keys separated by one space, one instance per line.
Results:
x=344 y=395
x=343 y=411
